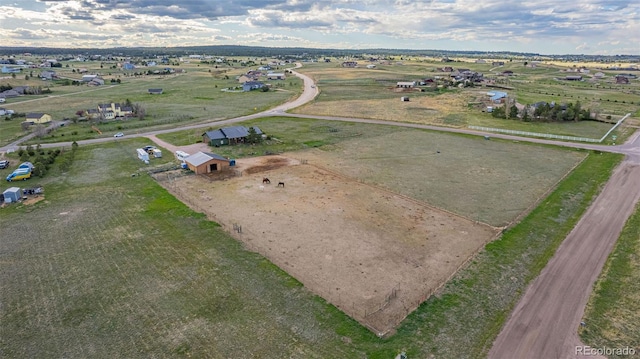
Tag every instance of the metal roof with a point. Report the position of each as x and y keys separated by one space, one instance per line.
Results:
x=231 y=132
x=215 y=135
x=199 y=158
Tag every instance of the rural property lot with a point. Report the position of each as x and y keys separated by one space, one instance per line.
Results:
x=373 y=253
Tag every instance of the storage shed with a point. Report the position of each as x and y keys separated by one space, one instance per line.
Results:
x=12 y=194
x=205 y=162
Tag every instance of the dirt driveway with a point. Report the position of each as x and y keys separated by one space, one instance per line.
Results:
x=545 y=322
x=374 y=254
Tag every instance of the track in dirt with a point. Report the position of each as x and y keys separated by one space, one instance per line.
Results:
x=544 y=324
x=374 y=254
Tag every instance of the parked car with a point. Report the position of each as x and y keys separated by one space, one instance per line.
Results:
x=4 y=164
x=119 y=134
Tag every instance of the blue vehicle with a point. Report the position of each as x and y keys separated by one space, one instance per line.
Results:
x=19 y=174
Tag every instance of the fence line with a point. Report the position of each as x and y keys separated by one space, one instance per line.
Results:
x=550 y=135
x=534 y=134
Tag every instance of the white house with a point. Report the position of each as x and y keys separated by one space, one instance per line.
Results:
x=88 y=78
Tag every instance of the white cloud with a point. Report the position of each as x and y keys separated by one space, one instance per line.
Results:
x=545 y=26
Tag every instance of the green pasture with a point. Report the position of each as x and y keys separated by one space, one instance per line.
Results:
x=192 y=96
x=499 y=179
x=110 y=265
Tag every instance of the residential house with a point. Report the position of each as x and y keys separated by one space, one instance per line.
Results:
x=405 y=84
x=573 y=78
x=371 y=66
x=598 y=75
x=88 y=78
x=507 y=73
x=622 y=80
x=113 y=110
x=48 y=75
x=38 y=118
x=497 y=96
x=497 y=63
x=247 y=78
x=128 y=66
x=10 y=70
x=276 y=76
x=9 y=94
x=228 y=135
x=350 y=64
x=155 y=91
x=97 y=81
x=205 y=162
x=252 y=85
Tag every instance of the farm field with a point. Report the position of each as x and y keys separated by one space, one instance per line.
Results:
x=122 y=269
x=371 y=93
x=372 y=253
x=406 y=161
x=373 y=242
x=486 y=181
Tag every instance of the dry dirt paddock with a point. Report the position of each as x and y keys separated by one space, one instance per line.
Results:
x=372 y=253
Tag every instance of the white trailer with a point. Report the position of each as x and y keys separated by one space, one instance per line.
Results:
x=181 y=155
x=157 y=153
x=143 y=155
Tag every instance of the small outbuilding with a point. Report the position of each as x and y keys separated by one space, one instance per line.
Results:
x=205 y=162
x=12 y=194
x=155 y=91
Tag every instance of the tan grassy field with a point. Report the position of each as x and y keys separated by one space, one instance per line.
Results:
x=373 y=253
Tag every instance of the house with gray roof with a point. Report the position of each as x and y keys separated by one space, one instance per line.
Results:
x=228 y=135
x=252 y=85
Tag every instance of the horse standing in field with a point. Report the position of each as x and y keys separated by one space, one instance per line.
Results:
x=281 y=184
x=265 y=180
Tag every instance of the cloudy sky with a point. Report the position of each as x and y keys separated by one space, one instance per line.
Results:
x=606 y=27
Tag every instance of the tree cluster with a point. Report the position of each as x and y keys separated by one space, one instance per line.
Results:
x=545 y=112
x=41 y=160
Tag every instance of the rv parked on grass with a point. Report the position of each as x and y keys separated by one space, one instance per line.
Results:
x=19 y=174
x=143 y=155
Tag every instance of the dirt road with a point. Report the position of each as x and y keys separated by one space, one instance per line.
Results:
x=544 y=323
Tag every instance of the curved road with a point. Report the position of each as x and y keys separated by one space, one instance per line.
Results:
x=545 y=321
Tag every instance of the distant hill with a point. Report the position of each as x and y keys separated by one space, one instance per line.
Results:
x=296 y=52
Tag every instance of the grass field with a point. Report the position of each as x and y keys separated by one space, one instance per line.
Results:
x=613 y=312
x=371 y=93
x=489 y=173
x=118 y=268
x=113 y=266
x=190 y=97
